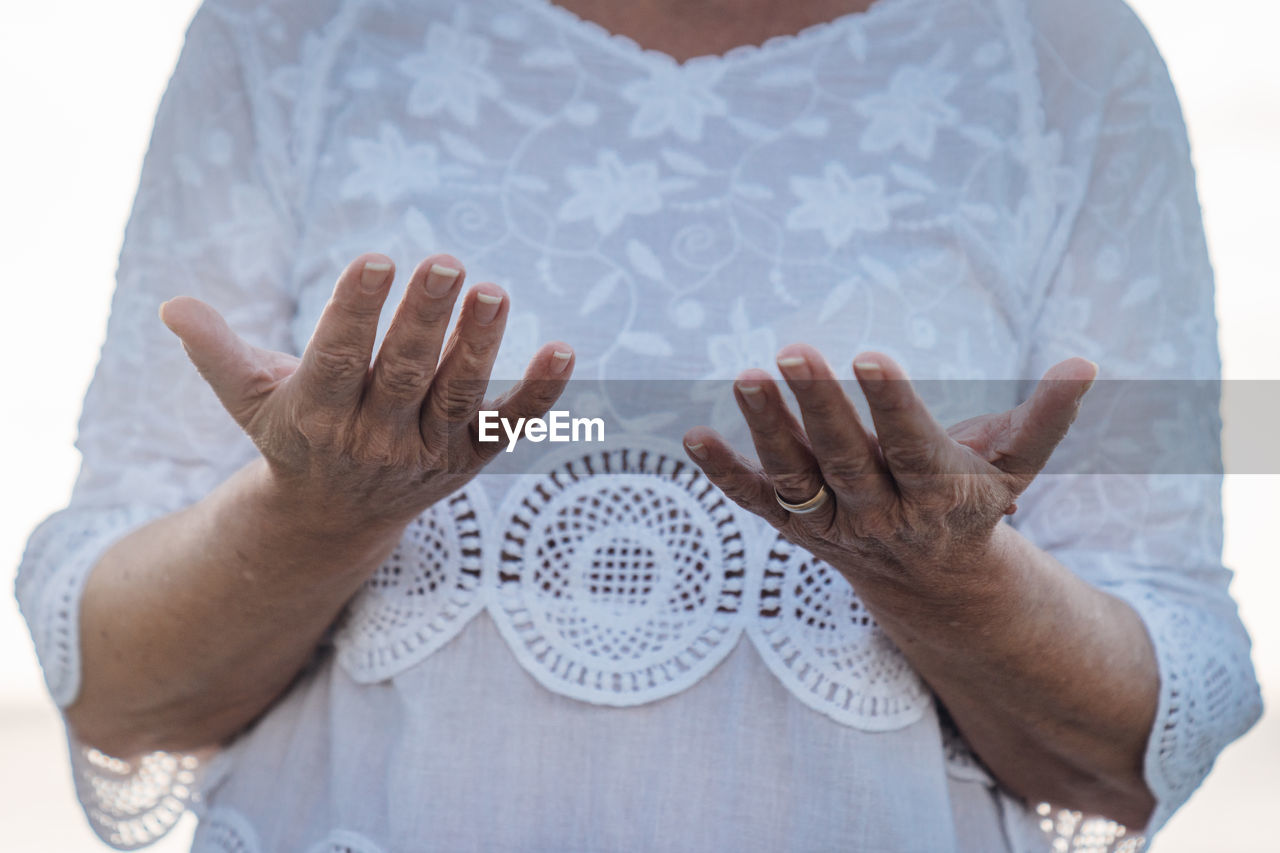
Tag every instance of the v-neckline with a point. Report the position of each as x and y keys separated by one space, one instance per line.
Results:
x=633 y=51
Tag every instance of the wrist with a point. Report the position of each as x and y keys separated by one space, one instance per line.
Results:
x=970 y=595
x=302 y=529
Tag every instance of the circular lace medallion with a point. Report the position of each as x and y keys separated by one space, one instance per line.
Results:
x=619 y=577
x=819 y=640
x=421 y=596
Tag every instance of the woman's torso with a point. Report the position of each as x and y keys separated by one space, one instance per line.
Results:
x=558 y=661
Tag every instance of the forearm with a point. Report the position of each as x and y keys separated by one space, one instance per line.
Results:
x=1052 y=681
x=193 y=624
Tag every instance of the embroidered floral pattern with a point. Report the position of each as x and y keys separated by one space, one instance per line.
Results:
x=745 y=346
x=388 y=167
x=675 y=98
x=912 y=111
x=614 y=190
x=839 y=205
x=449 y=75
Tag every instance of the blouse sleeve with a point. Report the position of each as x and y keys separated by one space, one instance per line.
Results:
x=1134 y=505
x=210 y=218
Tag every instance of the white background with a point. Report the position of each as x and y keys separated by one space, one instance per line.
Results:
x=81 y=82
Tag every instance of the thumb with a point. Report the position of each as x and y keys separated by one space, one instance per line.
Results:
x=1040 y=423
x=230 y=365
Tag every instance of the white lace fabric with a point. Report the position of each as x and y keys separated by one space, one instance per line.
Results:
x=624 y=587
x=979 y=189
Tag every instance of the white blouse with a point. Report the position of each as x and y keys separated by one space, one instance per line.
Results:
x=605 y=653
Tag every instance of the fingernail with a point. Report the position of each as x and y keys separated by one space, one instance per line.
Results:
x=1089 y=384
x=440 y=280
x=870 y=368
x=560 y=361
x=795 y=367
x=698 y=450
x=160 y=311
x=753 y=397
x=374 y=275
x=487 y=307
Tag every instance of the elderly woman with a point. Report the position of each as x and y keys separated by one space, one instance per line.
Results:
x=281 y=595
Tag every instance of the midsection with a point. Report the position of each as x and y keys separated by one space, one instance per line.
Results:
x=467 y=751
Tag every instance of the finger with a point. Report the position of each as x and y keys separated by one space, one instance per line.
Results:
x=533 y=396
x=1039 y=424
x=743 y=483
x=459 y=384
x=846 y=453
x=981 y=433
x=240 y=374
x=336 y=361
x=784 y=452
x=406 y=362
x=915 y=448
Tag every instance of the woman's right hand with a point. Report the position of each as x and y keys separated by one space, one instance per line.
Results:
x=359 y=450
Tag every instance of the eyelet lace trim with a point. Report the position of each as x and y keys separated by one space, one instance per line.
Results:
x=619 y=578
x=622 y=577
x=821 y=642
x=1072 y=832
x=74 y=541
x=134 y=803
x=420 y=597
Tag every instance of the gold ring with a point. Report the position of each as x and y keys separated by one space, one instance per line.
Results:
x=814 y=503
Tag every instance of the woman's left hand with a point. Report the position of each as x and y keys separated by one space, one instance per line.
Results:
x=1052 y=682
x=911 y=507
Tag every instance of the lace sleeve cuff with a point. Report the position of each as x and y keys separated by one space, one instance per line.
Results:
x=1208 y=698
x=59 y=555
x=1209 y=695
x=129 y=804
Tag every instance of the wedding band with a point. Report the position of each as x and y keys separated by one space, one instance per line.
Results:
x=814 y=503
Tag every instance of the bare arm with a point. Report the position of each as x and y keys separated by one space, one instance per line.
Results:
x=192 y=624
x=1052 y=681
x=195 y=623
